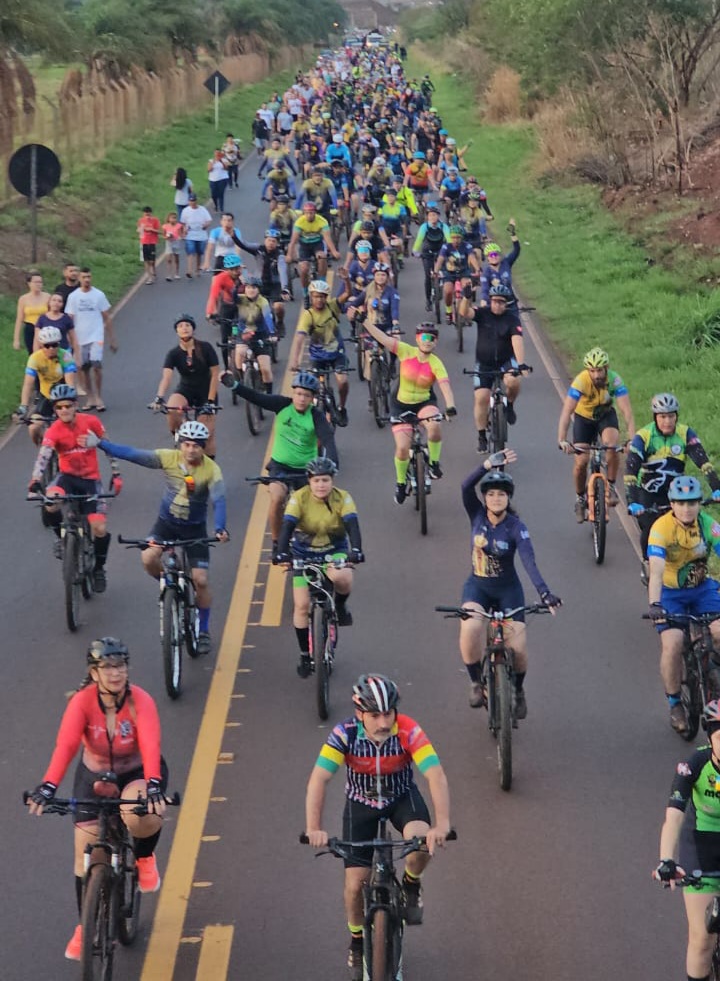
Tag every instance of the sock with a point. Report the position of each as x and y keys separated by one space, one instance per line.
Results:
x=448 y=310
x=475 y=672
x=204 y=617
x=303 y=639
x=519 y=680
x=673 y=699
x=340 y=600
x=52 y=519
x=434 y=448
x=356 y=931
x=409 y=877
x=78 y=893
x=705 y=977
x=144 y=847
x=268 y=387
x=482 y=432
x=401 y=470
x=100 y=547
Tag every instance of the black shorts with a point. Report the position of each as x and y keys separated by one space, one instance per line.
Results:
x=588 y=430
x=397 y=408
x=307 y=251
x=337 y=363
x=485 y=378
x=274 y=468
x=273 y=294
x=43 y=410
x=84 y=780
x=149 y=252
x=198 y=555
x=81 y=485
x=492 y=596
x=360 y=822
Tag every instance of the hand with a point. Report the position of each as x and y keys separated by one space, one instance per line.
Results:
x=114 y=346
x=157 y=403
x=657 y=613
x=17 y=345
x=89 y=440
x=566 y=447
x=41 y=796
x=502 y=458
x=35 y=487
x=282 y=558
x=451 y=412
x=222 y=535
x=668 y=871
x=116 y=484
x=550 y=600
x=637 y=509
x=356 y=556
x=155 y=797
x=228 y=379
x=318 y=839
x=435 y=838
x=21 y=411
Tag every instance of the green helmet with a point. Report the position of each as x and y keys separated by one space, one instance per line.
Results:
x=457 y=230
x=597 y=358
x=491 y=247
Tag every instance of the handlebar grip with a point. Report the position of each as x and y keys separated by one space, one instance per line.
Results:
x=446 y=609
x=451 y=835
x=303 y=838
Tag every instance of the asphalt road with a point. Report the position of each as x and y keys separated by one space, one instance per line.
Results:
x=550 y=881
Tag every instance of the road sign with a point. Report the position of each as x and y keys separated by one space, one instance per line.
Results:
x=34 y=171
x=216 y=83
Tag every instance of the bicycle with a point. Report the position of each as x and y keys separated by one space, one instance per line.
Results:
x=701 y=666
x=247 y=374
x=712 y=914
x=179 y=617
x=460 y=322
x=51 y=469
x=383 y=899
x=497 y=424
x=597 y=494
x=498 y=671
x=396 y=252
x=110 y=897
x=189 y=413
x=325 y=399
x=435 y=296
x=78 y=552
x=380 y=373
x=418 y=478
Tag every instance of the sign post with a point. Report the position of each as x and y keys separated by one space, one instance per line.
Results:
x=216 y=84
x=34 y=171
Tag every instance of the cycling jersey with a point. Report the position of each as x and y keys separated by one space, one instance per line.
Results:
x=393 y=217
x=361 y=273
x=322 y=194
x=136 y=741
x=383 y=305
x=431 y=238
x=457 y=259
x=298 y=437
x=73 y=459
x=49 y=371
x=654 y=460
x=500 y=274
x=685 y=550
x=338 y=151
x=323 y=329
x=223 y=295
x=310 y=232
x=319 y=526
x=593 y=402
x=416 y=377
x=378 y=775
x=418 y=175
x=254 y=316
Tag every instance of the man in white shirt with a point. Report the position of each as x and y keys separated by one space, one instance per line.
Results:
x=221 y=242
x=196 y=219
x=268 y=115
x=89 y=310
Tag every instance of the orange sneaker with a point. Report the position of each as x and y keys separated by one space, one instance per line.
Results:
x=148 y=875
x=73 y=951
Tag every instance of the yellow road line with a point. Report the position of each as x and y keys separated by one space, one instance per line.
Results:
x=274 y=598
x=215 y=953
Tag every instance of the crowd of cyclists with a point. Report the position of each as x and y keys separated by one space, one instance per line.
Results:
x=356 y=150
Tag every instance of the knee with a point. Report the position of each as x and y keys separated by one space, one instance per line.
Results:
x=200 y=578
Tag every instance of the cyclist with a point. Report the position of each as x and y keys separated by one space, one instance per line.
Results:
x=474 y=222
x=255 y=330
x=451 y=187
x=310 y=238
x=362 y=268
x=395 y=220
x=499 y=346
x=274 y=274
x=118 y=727
x=378 y=300
x=493 y=584
x=320 y=520
x=368 y=229
x=589 y=402
x=420 y=368
x=338 y=152
x=690 y=839
x=282 y=219
x=498 y=267
x=46 y=367
x=300 y=433
x=431 y=237
x=222 y=299
x=319 y=325
x=79 y=474
x=678 y=550
x=418 y=176
x=191 y=479
x=278 y=183
x=456 y=262
x=196 y=362
x=658 y=453
x=378 y=746
x=321 y=191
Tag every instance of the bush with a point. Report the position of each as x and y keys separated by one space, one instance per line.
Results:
x=503 y=101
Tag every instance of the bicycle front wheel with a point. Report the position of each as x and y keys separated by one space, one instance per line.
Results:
x=498 y=427
x=319 y=628
x=99 y=912
x=379 y=394
x=421 y=492
x=171 y=631
x=130 y=896
x=691 y=695
x=715 y=965
x=599 y=521
x=504 y=720
x=377 y=947
x=71 y=579
x=436 y=303
x=252 y=411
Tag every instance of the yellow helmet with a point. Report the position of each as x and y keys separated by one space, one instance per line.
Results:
x=597 y=358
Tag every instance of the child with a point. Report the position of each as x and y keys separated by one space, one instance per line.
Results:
x=148 y=227
x=173 y=232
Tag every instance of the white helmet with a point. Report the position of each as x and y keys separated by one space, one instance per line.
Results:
x=49 y=335
x=319 y=286
x=337 y=138
x=451 y=141
x=193 y=432
x=379 y=161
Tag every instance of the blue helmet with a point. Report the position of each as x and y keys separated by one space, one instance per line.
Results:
x=685 y=488
x=418 y=155
x=231 y=261
x=272 y=233
x=304 y=379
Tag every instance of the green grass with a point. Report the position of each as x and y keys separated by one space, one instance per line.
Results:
x=91 y=218
x=589 y=279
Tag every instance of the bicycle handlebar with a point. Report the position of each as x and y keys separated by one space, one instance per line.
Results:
x=66 y=498
x=598 y=447
x=69 y=805
x=164 y=543
x=164 y=409
x=343 y=849
x=460 y=613
x=280 y=478
x=500 y=372
x=664 y=508
x=686 y=617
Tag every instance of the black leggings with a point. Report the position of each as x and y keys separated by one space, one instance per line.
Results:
x=428 y=260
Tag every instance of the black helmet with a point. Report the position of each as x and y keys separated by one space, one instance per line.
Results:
x=104 y=648
x=367 y=226
x=185 y=318
x=375 y=693
x=427 y=327
x=498 y=480
x=282 y=199
x=322 y=466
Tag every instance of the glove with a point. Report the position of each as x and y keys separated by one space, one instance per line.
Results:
x=549 y=599
x=511 y=228
x=227 y=379
x=716 y=495
x=155 y=795
x=497 y=459
x=21 y=411
x=222 y=532
x=637 y=509
x=35 y=486
x=116 y=483
x=666 y=870
x=157 y=403
x=451 y=411
x=43 y=793
x=564 y=446
x=656 y=612
x=282 y=558
x=467 y=292
x=356 y=556
x=91 y=440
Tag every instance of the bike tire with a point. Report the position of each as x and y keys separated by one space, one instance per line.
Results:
x=360 y=354
x=498 y=427
x=504 y=720
x=88 y=565
x=129 y=900
x=599 y=523
x=395 y=267
x=421 y=492
x=331 y=410
x=252 y=411
x=274 y=353
x=191 y=622
x=436 y=303
x=172 y=643
x=99 y=917
x=691 y=696
x=715 y=964
x=71 y=580
x=379 y=395
x=319 y=627
x=460 y=330
x=377 y=957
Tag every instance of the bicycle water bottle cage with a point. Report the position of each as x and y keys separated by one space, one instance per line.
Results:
x=106 y=785
x=712 y=915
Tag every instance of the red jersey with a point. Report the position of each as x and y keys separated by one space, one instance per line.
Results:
x=225 y=289
x=136 y=741
x=149 y=228
x=78 y=461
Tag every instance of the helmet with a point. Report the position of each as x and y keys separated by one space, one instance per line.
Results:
x=391 y=190
x=451 y=141
x=282 y=199
x=363 y=246
x=427 y=327
x=49 y=335
x=497 y=480
x=337 y=138
x=432 y=206
x=326 y=115
x=322 y=466
x=232 y=261
x=370 y=208
x=185 y=318
x=63 y=393
x=490 y=248
x=105 y=648
x=457 y=230
x=711 y=714
x=303 y=379
x=685 y=488
x=375 y=693
x=309 y=204
x=379 y=162
x=665 y=402
x=597 y=358
x=442 y=132
x=397 y=179
x=501 y=290
x=474 y=196
x=193 y=432
x=319 y=286
x=367 y=226
x=381 y=267
x=433 y=110
x=253 y=281
x=280 y=164
x=272 y=233
x=418 y=155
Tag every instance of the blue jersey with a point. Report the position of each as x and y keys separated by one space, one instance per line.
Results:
x=494 y=276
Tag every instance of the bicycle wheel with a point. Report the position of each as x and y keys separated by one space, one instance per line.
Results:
x=377 y=947
x=252 y=411
x=498 y=427
x=460 y=330
x=274 y=352
x=71 y=579
x=599 y=519
x=394 y=266
x=715 y=965
x=171 y=633
x=99 y=912
x=691 y=695
x=360 y=354
x=130 y=896
x=504 y=724
x=436 y=302
x=322 y=675
x=379 y=394
x=421 y=491
x=86 y=555
x=191 y=621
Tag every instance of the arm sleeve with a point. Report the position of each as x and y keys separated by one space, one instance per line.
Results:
x=325 y=435
x=527 y=554
x=148 y=732
x=251 y=247
x=352 y=526
x=286 y=532
x=513 y=254
x=283 y=272
x=143 y=458
x=471 y=502
x=686 y=776
x=68 y=740
x=395 y=305
x=696 y=452
x=217 y=495
x=273 y=403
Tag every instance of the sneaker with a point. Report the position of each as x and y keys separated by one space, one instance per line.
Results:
x=400 y=493
x=304 y=666
x=428 y=306
x=511 y=414
x=580 y=508
x=413 y=905
x=435 y=471
x=678 y=718
x=73 y=951
x=58 y=548
x=482 y=443
x=345 y=618
x=99 y=579
x=148 y=876
x=520 y=705
x=203 y=642
x=342 y=417
x=274 y=553
x=613 y=498
x=477 y=695
x=355 y=959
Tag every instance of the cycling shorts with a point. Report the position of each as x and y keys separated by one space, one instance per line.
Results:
x=306 y=250
x=337 y=362
x=704 y=598
x=83 y=787
x=258 y=345
x=397 y=409
x=80 y=485
x=274 y=468
x=588 y=430
x=491 y=595
x=198 y=555
x=360 y=822
x=485 y=378
x=337 y=552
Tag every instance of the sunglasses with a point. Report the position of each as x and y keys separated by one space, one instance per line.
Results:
x=55 y=344
x=492 y=255
x=427 y=338
x=59 y=406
